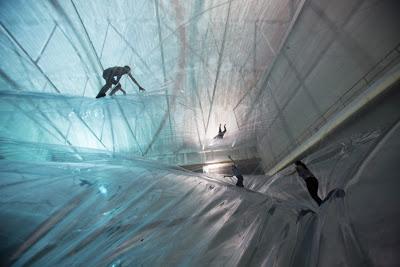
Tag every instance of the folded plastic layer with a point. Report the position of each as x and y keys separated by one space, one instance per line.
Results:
x=118 y=212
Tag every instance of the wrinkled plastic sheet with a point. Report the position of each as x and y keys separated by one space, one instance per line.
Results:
x=119 y=212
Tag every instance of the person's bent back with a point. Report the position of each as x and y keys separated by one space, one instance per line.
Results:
x=112 y=76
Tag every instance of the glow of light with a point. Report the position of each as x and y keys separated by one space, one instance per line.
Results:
x=103 y=190
x=214 y=167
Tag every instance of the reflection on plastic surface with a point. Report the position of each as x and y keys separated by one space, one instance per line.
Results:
x=253 y=65
x=132 y=124
x=118 y=212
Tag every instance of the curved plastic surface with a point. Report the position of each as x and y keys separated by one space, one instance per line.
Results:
x=118 y=212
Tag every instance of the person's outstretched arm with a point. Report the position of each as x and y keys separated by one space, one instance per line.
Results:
x=133 y=79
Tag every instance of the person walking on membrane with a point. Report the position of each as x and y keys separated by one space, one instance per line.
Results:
x=309 y=178
x=112 y=76
x=236 y=173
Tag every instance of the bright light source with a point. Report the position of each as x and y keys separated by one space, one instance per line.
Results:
x=214 y=167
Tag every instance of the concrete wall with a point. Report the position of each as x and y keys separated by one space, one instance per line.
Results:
x=334 y=51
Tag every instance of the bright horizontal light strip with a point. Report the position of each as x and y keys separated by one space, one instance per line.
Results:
x=214 y=167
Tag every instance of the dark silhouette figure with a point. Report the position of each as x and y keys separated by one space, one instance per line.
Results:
x=238 y=175
x=221 y=133
x=85 y=182
x=309 y=178
x=112 y=76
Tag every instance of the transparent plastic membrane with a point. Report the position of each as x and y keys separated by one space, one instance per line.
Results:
x=195 y=59
x=83 y=180
x=253 y=65
x=113 y=211
x=134 y=125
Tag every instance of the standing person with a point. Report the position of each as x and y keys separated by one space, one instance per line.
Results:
x=236 y=172
x=221 y=133
x=112 y=76
x=309 y=178
x=238 y=175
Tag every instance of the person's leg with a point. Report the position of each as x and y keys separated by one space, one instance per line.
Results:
x=113 y=91
x=103 y=91
x=106 y=87
x=312 y=186
x=239 y=181
x=116 y=88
